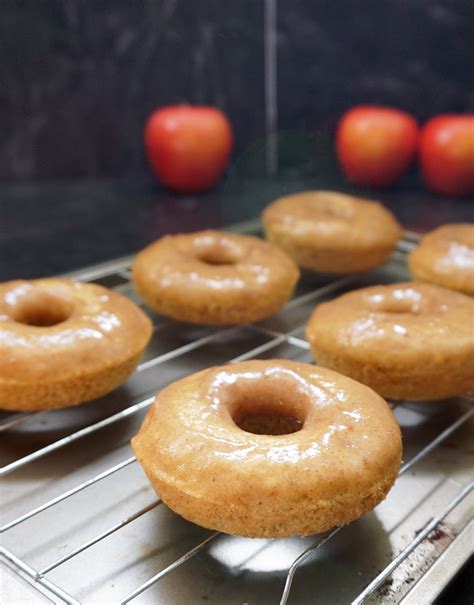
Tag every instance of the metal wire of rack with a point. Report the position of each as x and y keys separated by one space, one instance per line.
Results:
x=266 y=337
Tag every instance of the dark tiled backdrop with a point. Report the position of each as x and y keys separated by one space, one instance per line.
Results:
x=413 y=54
x=77 y=78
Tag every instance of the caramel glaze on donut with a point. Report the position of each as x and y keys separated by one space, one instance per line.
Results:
x=445 y=257
x=406 y=341
x=64 y=342
x=332 y=232
x=339 y=464
x=212 y=277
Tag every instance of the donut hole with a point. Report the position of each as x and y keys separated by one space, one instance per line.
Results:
x=397 y=307
x=336 y=212
x=217 y=256
x=217 y=250
x=41 y=309
x=270 y=403
x=332 y=206
x=268 y=422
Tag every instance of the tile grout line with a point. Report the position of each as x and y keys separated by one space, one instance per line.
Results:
x=271 y=96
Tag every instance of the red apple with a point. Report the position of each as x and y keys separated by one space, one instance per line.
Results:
x=447 y=154
x=375 y=145
x=188 y=147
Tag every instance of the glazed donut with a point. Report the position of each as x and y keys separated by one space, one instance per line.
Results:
x=64 y=342
x=445 y=257
x=406 y=341
x=269 y=448
x=332 y=232
x=210 y=277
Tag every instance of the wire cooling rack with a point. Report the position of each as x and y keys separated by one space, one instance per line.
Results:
x=80 y=523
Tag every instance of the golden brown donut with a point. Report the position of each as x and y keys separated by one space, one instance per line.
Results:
x=269 y=448
x=445 y=257
x=332 y=232
x=64 y=342
x=213 y=277
x=406 y=341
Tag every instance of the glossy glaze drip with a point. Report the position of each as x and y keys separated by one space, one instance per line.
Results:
x=457 y=256
x=397 y=301
x=409 y=341
x=316 y=409
x=50 y=327
x=445 y=257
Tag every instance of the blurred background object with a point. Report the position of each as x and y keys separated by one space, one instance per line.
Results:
x=188 y=146
x=447 y=154
x=375 y=144
x=78 y=79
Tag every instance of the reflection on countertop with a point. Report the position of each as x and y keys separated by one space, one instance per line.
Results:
x=53 y=227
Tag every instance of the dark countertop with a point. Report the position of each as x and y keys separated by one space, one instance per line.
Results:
x=54 y=227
